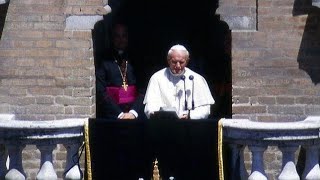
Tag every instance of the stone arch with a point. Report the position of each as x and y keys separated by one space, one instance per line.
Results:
x=157 y=25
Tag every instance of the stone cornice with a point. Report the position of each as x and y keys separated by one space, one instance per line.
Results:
x=3 y=1
x=316 y=3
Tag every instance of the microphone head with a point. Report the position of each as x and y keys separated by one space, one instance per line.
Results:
x=183 y=77
x=191 y=77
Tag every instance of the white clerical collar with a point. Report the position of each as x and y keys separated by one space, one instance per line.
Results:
x=176 y=75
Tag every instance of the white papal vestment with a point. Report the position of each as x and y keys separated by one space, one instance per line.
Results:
x=167 y=90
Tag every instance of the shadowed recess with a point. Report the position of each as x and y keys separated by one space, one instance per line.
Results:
x=309 y=52
x=3 y=14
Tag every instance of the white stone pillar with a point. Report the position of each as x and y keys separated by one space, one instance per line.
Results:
x=73 y=171
x=47 y=170
x=289 y=171
x=15 y=167
x=311 y=170
x=257 y=170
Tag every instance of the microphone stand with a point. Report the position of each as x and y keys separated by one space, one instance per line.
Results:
x=191 y=78
x=183 y=77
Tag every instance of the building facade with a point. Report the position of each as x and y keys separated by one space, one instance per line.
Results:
x=47 y=65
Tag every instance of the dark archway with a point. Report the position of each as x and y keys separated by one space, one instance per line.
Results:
x=308 y=57
x=3 y=14
x=154 y=26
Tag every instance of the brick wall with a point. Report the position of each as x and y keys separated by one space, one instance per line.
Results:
x=46 y=70
x=275 y=63
x=275 y=67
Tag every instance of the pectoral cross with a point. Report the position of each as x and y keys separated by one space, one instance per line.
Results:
x=124 y=85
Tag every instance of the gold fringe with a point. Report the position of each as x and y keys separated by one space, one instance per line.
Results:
x=88 y=155
x=220 y=152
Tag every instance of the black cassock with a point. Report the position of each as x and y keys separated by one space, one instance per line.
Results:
x=117 y=157
x=109 y=75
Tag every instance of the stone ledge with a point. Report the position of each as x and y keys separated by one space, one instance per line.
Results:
x=3 y=1
x=311 y=122
x=4 y=117
x=316 y=3
x=82 y=22
x=272 y=133
x=86 y=22
x=41 y=132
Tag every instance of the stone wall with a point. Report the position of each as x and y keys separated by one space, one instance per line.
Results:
x=275 y=58
x=275 y=63
x=46 y=63
x=47 y=71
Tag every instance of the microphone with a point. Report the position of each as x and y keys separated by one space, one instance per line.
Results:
x=191 y=78
x=183 y=77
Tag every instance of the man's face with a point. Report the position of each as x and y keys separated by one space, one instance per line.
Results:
x=177 y=62
x=120 y=37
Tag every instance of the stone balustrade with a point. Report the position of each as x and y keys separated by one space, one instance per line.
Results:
x=16 y=134
x=287 y=136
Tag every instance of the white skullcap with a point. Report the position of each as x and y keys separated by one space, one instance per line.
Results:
x=178 y=47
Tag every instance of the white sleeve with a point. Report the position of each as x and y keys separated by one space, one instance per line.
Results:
x=201 y=112
x=134 y=113
x=152 y=98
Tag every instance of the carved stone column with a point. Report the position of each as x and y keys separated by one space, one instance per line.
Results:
x=237 y=162
x=311 y=170
x=47 y=170
x=72 y=169
x=257 y=171
x=289 y=170
x=15 y=167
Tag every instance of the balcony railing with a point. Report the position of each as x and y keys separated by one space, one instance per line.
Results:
x=16 y=134
x=237 y=133
x=287 y=136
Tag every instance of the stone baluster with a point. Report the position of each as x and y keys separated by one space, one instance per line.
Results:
x=289 y=171
x=72 y=169
x=237 y=162
x=15 y=167
x=311 y=170
x=234 y=171
x=243 y=172
x=257 y=171
x=47 y=170
x=3 y=161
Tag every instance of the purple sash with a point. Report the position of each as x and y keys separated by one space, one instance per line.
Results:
x=120 y=96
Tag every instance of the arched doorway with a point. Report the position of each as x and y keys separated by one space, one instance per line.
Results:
x=154 y=26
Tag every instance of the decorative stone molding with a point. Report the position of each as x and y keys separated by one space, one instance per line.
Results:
x=286 y=135
x=86 y=22
x=238 y=17
x=7 y=117
x=316 y=3
x=16 y=134
x=3 y=1
x=240 y=22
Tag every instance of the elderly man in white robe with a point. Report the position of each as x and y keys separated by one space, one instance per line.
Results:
x=179 y=88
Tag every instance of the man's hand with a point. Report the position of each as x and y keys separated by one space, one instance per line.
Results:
x=185 y=116
x=127 y=116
